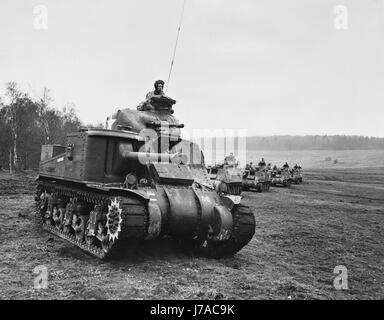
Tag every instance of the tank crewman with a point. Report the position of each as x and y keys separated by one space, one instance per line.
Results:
x=286 y=165
x=159 y=87
x=249 y=166
x=269 y=166
x=262 y=163
x=230 y=160
x=274 y=167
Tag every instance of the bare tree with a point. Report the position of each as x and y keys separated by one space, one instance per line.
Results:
x=13 y=94
x=43 y=104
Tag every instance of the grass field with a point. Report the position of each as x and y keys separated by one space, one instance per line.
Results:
x=336 y=217
x=317 y=158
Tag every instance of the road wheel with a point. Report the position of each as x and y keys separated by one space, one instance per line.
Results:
x=58 y=218
x=78 y=224
x=90 y=240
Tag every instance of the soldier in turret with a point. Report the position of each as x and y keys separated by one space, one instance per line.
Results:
x=262 y=163
x=158 y=92
x=249 y=166
x=159 y=87
x=230 y=160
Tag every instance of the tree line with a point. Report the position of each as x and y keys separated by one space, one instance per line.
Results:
x=315 y=142
x=26 y=124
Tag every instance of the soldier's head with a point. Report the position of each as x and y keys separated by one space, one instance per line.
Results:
x=159 y=86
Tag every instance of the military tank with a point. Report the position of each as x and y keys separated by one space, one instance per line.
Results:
x=296 y=175
x=256 y=179
x=281 y=177
x=109 y=189
x=226 y=178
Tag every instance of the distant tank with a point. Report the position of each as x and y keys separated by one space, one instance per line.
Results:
x=139 y=181
x=281 y=177
x=256 y=178
x=296 y=175
x=226 y=179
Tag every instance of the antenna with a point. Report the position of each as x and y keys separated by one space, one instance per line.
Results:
x=177 y=40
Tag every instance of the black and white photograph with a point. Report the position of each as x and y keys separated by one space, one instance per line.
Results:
x=188 y=151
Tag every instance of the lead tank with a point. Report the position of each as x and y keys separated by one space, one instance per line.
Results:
x=106 y=190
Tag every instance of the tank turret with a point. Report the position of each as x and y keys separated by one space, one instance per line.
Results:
x=159 y=114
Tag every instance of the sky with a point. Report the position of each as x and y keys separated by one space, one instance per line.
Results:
x=270 y=67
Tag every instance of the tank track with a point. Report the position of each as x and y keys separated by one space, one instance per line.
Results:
x=242 y=233
x=131 y=208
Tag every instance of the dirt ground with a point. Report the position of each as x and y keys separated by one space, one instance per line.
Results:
x=336 y=217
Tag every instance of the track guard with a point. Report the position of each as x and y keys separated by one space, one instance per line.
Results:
x=230 y=201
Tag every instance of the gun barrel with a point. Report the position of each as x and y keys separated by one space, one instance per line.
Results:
x=145 y=157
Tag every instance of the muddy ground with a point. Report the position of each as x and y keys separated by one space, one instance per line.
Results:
x=336 y=217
